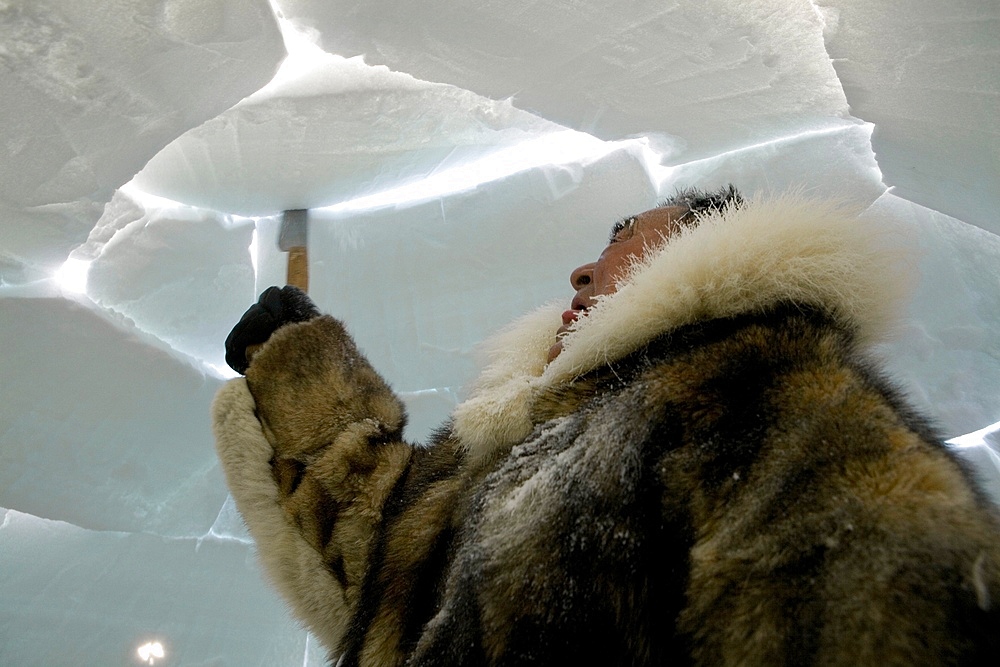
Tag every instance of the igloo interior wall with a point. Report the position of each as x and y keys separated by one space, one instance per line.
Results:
x=459 y=159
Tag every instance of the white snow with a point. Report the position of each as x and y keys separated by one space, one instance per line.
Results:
x=179 y=272
x=948 y=351
x=341 y=130
x=93 y=89
x=685 y=69
x=460 y=159
x=86 y=597
x=925 y=73
x=101 y=425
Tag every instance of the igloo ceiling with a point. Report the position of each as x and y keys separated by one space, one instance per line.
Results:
x=458 y=160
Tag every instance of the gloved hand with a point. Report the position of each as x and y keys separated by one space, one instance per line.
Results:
x=276 y=307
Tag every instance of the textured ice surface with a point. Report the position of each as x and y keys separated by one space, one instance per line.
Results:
x=834 y=161
x=90 y=90
x=925 y=72
x=83 y=597
x=457 y=204
x=181 y=273
x=35 y=241
x=714 y=76
x=948 y=347
x=99 y=426
x=710 y=76
x=341 y=130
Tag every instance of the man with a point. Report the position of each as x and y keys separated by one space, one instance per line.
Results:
x=699 y=466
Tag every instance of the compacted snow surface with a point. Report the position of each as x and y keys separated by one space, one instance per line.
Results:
x=459 y=160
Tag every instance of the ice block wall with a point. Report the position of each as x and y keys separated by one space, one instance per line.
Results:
x=459 y=160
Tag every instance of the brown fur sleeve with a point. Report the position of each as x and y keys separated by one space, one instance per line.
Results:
x=334 y=431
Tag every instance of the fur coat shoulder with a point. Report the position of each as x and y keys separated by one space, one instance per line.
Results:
x=712 y=472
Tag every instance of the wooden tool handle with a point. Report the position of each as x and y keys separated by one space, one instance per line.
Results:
x=298 y=268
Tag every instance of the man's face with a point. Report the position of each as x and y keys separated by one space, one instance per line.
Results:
x=630 y=242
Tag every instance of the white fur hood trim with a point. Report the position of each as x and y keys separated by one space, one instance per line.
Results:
x=741 y=260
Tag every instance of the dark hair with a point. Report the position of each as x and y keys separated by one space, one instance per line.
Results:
x=695 y=201
x=698 y=201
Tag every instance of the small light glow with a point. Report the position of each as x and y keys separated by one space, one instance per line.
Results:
x=150 y=651
x=72 y=275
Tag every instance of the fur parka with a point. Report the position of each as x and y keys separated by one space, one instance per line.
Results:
x=712 y=472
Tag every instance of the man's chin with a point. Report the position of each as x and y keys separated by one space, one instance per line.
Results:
x=555 y=350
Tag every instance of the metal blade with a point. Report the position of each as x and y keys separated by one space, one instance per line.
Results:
x=293 y=233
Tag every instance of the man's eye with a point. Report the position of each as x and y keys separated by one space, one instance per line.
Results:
x=623 y=230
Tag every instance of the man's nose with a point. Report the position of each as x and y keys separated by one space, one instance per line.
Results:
x=582 y=276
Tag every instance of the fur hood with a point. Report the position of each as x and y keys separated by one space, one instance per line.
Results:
x=740 y=260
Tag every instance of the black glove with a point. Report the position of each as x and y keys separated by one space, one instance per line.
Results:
x=276 y=307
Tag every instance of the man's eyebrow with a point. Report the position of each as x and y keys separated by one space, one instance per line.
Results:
x=701 y=201
x=620 y=225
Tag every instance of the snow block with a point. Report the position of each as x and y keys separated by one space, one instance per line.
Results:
x=100 y=427
x=70 y=596
x=92 y=90
x=713 y=74
x=341 y=130
x=947 y=352
x=925 y=72
x=181 y=273
x=35 y=241
x=835 y=161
